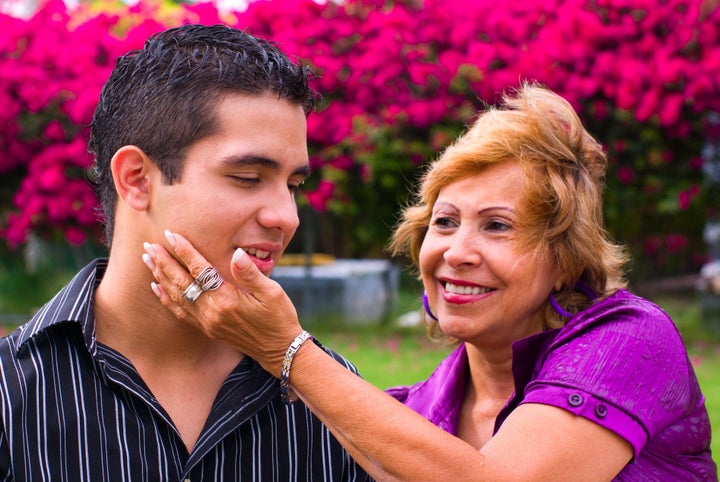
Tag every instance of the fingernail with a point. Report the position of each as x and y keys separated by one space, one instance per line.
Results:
x=239 y=257
x=170 y=237
x=148 y=261
x=156 y=289
x=149 y=249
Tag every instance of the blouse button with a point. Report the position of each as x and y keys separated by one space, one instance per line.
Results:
x=575 y=400
x=601 y=411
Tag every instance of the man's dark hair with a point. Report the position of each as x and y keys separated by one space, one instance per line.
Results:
x=162 y=98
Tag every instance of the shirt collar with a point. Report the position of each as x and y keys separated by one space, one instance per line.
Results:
x=439 y=398
x=73 y=304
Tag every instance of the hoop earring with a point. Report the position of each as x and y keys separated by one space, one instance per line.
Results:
x=559 y=309
x=578 y=287
x=426 y=305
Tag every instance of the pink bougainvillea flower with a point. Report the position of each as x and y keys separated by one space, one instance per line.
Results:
x=54 y=131
x=75 y=236
x=684 y=200
x=625 y=174
x=676 y=242
x=343 y=163
x=696 y=162
x=18 y=230
x=403 y=77
x=669 y=113
x=652 y=246
x=686 y=196
x=52 y=178
x=319 y=198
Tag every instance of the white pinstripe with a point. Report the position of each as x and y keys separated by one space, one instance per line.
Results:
x=73 y=410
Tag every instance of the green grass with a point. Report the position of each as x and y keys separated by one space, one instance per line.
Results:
x=386 y=355
x=702 y=338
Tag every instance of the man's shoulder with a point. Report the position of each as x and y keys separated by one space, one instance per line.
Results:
x=71 y=306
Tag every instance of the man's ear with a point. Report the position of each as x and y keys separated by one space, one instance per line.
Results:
x=132 y=170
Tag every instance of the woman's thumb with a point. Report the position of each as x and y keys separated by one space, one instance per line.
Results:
x=243 y=269
x=249 y=278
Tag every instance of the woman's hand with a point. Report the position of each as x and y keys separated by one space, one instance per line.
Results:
x=251 y=312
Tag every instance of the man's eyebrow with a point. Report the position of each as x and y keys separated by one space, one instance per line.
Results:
x=266 y=162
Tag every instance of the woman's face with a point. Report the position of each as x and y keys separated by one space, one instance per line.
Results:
x=480 y=287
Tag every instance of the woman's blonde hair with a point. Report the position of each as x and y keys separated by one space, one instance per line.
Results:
x=562 y=210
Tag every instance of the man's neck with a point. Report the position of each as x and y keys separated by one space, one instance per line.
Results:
x=130 y=319
x=183 y=368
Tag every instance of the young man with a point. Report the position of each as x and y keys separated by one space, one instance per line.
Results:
x=202 y=132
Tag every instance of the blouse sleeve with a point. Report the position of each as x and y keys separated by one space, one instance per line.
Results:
x=623 y=367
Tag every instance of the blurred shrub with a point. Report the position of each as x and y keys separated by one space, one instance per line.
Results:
x=401 y=80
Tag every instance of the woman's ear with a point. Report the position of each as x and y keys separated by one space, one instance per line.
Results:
x=131 y=170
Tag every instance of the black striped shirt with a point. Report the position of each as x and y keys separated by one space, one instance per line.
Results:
x=74 y=410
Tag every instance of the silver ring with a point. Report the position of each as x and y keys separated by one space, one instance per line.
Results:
x=193 y=292
x=209 y=279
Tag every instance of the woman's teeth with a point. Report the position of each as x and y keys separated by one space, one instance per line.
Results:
x=465 y=290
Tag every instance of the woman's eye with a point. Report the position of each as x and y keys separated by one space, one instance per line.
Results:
x=294 y=188
x=498 y=226
x=443 y=222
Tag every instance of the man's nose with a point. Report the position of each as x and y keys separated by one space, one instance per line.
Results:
x=279 y=212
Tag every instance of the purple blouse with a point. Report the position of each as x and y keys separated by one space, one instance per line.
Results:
x=622 y=364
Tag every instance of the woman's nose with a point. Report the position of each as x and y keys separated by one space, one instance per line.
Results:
x=463 y=249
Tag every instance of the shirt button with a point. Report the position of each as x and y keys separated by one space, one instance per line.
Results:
x=601 y=411
x=187 y=480
x=575 y=400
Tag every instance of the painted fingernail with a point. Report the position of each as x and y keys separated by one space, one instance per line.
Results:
x=148 y=261
x=149 y=249
x=170 y=237
x=238 y=256
x=156 y=289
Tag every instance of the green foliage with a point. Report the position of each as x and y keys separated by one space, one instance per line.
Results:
x=30 y=277
x=654 y=204
x=401 y=80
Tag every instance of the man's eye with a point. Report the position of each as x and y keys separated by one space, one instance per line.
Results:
x=295 y=185
x=248 y=181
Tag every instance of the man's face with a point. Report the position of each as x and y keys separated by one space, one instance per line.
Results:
x=237 y=188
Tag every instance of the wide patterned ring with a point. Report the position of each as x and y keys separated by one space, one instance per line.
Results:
x=209 y=279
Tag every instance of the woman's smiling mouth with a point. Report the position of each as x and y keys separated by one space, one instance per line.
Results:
x=465 y=290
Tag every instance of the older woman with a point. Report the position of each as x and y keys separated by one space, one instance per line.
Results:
x=560 y=373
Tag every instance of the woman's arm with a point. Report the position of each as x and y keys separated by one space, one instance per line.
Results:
x=389 y=440
x=392 y=442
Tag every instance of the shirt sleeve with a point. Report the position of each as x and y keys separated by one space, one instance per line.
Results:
x=625 y=369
